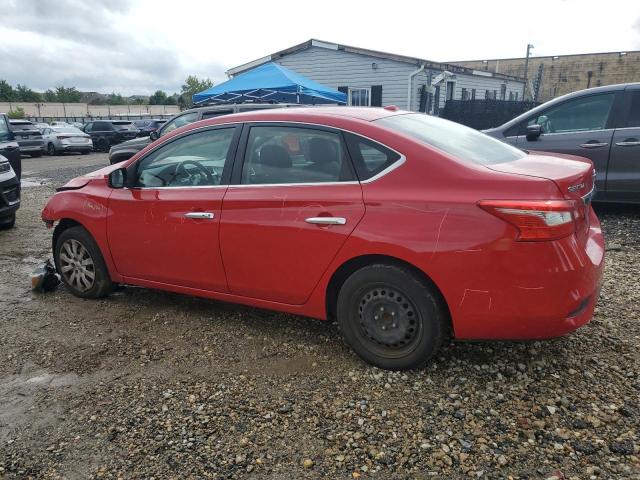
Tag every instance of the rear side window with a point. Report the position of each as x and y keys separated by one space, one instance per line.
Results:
x=4 y=128
x=123 y=125
x=102 y=127
x=369 y=158
x=283 y=154
x=633 y=119
x=457 y=140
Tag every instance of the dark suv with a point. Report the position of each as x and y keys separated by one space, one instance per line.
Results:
x=147 y=126
x=126 y=150
x=28 y=136
x=10 y=169
x=105 y=133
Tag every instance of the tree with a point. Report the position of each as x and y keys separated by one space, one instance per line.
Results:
x=25 y=94
x=67 y=94
x=170 y=100
x=193 y=85
x=116 y=99
x=50 y=96
x=158 y=98
x=6 y=92
x=17 y=113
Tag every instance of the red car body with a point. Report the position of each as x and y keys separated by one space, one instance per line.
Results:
x=431 y=211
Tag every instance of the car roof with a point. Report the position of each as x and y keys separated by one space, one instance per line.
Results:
x=367 y=114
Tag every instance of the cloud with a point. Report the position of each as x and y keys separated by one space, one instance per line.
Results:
x=87 y=44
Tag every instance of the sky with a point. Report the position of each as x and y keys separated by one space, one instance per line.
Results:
x=140 y=46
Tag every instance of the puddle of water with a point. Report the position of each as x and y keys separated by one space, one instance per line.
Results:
x=33 y=182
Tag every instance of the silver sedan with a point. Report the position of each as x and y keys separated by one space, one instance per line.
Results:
x=66 y=139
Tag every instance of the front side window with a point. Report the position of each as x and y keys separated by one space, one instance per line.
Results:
x=282 y=154
x=359 y=97
x=180 y=121
x=457 y=140
x=579 y=115
x=190 y=161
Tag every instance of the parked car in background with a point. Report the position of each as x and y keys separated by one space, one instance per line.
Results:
x=66 y=139
x=147 y=126
x=127 y=149
x=105 y=133
x=60 y=123
x=9 y=194
x=28 y=136
x=41 y=125
x=9 y=148
x=405 y=228
x=78 y=125
x=602 y=124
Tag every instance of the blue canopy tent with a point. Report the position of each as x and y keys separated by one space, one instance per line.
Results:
x=270 y=83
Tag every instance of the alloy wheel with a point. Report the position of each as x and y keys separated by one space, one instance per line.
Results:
x=76 y=265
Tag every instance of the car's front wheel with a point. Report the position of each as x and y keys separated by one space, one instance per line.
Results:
x=80 y=264
x=51 y=149
x=390 y=317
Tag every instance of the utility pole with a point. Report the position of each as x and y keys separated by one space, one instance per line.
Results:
x=526 y=70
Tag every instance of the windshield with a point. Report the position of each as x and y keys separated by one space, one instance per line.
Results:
x=457 y=140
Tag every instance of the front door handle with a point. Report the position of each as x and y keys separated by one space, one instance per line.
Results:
x=326 y=220
x=200 y=215
x=629 y=142
x=594 y=144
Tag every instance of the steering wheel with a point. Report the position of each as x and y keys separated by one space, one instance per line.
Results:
x=182 y=171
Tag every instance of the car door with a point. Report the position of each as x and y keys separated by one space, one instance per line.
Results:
x=164 y=226
x=579 y=126
x=293 y=202
x=623 y=175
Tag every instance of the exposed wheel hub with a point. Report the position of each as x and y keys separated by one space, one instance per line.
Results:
x=387 y=317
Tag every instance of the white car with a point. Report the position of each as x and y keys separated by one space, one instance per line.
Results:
x=66 y=139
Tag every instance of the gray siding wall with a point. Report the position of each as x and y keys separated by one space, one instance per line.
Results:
x=336 y=68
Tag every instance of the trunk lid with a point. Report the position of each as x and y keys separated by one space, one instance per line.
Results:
x=574 y=176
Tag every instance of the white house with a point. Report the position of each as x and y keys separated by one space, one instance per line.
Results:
x=372 y=78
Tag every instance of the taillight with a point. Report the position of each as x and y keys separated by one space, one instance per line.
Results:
x=535 y=219
x=62 y=137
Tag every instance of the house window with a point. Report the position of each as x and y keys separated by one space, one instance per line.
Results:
x=510 y=96
x=503 y=92
x=487 y=95
x=465 y=94
x=515 y=96
x=473 y=94
x=360 y=97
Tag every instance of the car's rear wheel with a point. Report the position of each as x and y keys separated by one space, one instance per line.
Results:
x=51 y=150
x=390 y=317
x=81 y=265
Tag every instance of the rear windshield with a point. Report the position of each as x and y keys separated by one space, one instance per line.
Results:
x=23 y=126
x=457 y=140
x=120 y=125
x=66 y=130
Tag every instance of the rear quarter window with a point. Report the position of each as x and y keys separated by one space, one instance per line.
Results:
x=369 y=157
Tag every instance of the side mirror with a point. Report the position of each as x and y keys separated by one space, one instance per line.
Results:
x=533 y=132
x=154 y=135
x=117 y=178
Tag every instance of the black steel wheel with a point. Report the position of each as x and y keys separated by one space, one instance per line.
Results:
x=390 y=317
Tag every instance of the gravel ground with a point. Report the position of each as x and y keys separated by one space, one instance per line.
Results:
x=147 y=384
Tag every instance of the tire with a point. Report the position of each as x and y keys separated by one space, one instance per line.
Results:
x=51 y=149
x=8 y=224
x=102 y=145
x=390 y=317
x=77 y=257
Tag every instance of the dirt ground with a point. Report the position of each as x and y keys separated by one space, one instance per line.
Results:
x=146 y=384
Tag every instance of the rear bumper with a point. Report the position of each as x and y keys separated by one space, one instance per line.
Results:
x=548 y=290
x=32 y=148
x=81 y=147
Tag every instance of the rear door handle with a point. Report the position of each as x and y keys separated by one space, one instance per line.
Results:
x=200 y=215
x=594 y=144
x=629 y=142
x=326 y=220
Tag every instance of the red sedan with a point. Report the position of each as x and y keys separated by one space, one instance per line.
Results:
x=407 y=229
